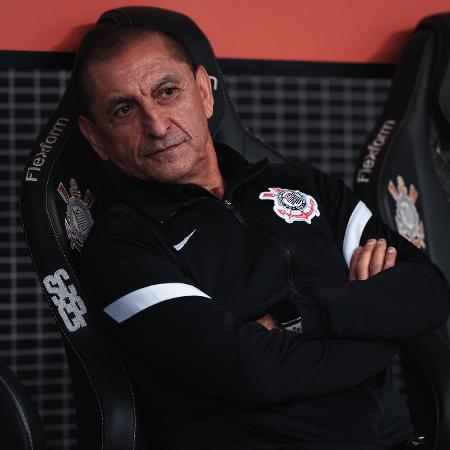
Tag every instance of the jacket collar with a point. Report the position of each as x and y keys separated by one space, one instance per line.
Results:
x=163 y=200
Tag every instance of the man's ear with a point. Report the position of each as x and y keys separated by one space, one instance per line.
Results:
x=204 y=86
x=91 y=133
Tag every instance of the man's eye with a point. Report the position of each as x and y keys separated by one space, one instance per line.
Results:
x=168 y=92
x=122 y=111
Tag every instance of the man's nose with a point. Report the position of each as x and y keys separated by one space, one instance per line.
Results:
x=155 y=121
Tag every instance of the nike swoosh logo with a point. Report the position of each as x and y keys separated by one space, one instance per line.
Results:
x=181 y=244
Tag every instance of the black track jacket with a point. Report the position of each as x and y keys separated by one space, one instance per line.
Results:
x=178 y=278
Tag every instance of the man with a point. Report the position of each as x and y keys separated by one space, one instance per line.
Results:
x=224 y=284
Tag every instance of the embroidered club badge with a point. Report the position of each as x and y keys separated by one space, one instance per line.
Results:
x=407 y=217
x=292 y=205
x=78 y=221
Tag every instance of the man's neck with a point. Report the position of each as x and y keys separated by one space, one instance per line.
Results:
x=211 y=177
x=219 y=189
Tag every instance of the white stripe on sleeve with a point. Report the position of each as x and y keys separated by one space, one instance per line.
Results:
x=358 y=220
x=136 y=301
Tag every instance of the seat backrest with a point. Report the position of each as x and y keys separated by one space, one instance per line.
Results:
x=21 y=425
x=64 y=187
x=403 y=172
x=404 y=175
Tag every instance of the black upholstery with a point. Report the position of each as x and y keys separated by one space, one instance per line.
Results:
x=410 y=140
x=407 y=147
x=21 y=427
x=426 y=364
x=60 y=171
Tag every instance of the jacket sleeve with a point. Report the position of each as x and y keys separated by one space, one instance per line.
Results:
x=409 y=299
x=165 y=323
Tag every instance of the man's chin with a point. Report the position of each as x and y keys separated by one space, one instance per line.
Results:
x=167 y=170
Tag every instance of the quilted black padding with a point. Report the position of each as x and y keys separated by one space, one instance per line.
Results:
x=404 y=175
x=404 y=171
x=21 y=426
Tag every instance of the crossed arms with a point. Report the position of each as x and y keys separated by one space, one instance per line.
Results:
x=350 y=332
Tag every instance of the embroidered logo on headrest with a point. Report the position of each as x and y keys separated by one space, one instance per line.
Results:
x=407 y=217
x=78 y=221
x=292 y=205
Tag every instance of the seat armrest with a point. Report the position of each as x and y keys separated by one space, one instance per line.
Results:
x=432 y=352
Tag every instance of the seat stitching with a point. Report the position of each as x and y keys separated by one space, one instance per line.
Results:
x=22 y=414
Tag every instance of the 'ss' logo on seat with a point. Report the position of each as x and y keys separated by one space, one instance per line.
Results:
x=65 y=297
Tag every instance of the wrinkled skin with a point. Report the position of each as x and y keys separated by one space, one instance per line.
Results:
x=149 y=116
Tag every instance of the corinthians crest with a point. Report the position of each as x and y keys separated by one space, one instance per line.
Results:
x=78 y=221
x=407 y=217
x=292 y=205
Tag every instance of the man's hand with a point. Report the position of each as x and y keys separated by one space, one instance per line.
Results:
x=268 y=322
x=372 y=258
x=366 y=261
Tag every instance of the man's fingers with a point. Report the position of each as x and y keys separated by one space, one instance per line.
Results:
x=353 y=261
x=378 y=257
x=390 y=258
x=363 y=260
x=371 y=259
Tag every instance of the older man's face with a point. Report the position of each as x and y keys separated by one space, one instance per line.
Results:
x=149 y=113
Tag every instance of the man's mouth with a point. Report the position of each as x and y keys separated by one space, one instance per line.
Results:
x=153 y=152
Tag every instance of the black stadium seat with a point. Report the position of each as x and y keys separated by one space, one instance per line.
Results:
x=404 y=170
x=64 y=187
x=404 y=175
x=21 y=426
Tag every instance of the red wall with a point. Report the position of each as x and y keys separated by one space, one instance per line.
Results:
x=315 y=30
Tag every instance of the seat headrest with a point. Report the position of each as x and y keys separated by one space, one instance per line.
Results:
x=438 y=26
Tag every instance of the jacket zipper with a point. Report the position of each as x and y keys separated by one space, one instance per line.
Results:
x=288 y=255
x=259 y=167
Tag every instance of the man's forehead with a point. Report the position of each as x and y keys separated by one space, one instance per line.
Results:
x=149 y=67
x=149 y=50
x=148 y=60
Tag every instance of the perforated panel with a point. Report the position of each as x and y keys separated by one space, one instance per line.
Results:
x=30 y=342
x=320 y=120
